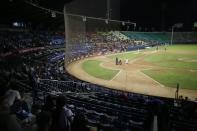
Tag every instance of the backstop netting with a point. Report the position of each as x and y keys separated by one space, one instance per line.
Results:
x=88 y=28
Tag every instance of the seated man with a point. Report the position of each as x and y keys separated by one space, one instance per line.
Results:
x=11 y=96
x=63 y=115
x=8 y=120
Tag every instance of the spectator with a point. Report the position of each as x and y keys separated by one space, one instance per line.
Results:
x=79 y=123
x=49 y=104
x=43 y=121
x=8 y=120
x=11 y=95
x=63 y=116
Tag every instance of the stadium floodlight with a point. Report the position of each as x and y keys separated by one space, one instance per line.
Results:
x=107 y=21
x=53 y=14
x=195 y=24
x=134 y=26
x=84 y=19
x=177 y=25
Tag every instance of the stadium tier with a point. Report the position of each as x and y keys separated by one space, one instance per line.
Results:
x=162 y=37
x=149 y=36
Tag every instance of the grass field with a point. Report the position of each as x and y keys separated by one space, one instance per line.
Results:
x=93 y=68
x=183 y=47
x=170 y=78
x=179 y=67
x=176 y=65
x=173 y=60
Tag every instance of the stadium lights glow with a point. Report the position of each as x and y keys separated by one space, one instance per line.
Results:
x=106 y=21
x=53 y=14
x=84 y=19
x=16 y=24
x=195 y=24
x=134 y=27
x=178 y=25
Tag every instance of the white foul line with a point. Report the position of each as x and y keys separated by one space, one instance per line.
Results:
x=116 y=75
x=152 y=79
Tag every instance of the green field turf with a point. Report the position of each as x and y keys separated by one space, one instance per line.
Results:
x=170 y=78
x=181 y=72
x=123 y=56
x=183 y=47
x=172 y=60
x=93 y=68
x=173 y=71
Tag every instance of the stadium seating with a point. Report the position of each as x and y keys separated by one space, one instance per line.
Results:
x=162 y=37
x=12 y=40
x=149 y=36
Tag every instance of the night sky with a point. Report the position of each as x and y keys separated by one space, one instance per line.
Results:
x=160 y=13
x=157 y=14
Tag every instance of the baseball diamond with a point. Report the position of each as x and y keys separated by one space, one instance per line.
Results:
x=149 y=71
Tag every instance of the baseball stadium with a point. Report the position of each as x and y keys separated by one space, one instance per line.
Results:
x=98 y=65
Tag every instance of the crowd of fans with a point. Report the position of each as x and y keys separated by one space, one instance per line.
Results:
x=14 y=40
x=102 y=110
x=100 y=43
x=17 y=113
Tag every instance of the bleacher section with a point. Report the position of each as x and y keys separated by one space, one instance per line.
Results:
x=162 y=37
x=120 y=35
x=98 y=102
x=110 y=112
x=185 y=37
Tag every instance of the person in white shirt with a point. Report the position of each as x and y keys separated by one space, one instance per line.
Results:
x=8 y=120
x=126 y=61
x=11 y=96
x=64 y=116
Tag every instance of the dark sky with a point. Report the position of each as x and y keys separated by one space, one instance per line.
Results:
x=153 y=13
x=159 y=14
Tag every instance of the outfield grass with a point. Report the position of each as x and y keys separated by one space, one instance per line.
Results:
x=182 y=69
x=92 y=67
x=170 y=78
x=183 y=47
x=172 y=60
x=127 y=55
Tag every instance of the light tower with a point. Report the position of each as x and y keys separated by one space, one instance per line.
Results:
x=178 y=25
x=109 y=10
